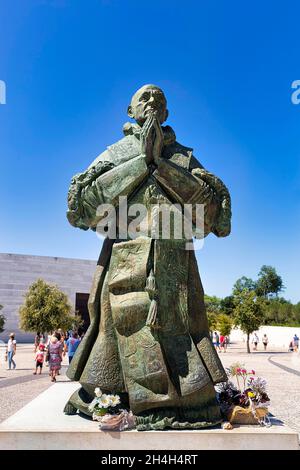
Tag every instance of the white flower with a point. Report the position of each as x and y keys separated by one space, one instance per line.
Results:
x=98 y=392
x=115 y=400
x=104 y=401
x=92 y=404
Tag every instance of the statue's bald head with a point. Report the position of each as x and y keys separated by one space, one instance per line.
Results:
x=147 y=99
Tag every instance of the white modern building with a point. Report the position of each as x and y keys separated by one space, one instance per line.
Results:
x=18 y=272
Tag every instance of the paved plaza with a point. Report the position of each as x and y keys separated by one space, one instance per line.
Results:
x=280 y=368
x=19 y=386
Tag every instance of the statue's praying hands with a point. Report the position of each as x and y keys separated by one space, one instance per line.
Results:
x=151 y=139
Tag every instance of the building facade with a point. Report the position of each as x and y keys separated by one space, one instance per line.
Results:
x=18 y=272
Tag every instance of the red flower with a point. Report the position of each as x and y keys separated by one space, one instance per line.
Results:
x=252 y=372
x=244 y=371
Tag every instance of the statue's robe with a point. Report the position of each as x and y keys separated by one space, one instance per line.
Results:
x=148 y=339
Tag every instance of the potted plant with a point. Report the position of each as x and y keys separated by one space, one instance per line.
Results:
x=246 y=402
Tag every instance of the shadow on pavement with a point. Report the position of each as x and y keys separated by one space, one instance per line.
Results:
x=269 y=352
x=285 y=368
x=8 y=382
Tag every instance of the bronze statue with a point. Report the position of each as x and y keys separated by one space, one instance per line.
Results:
x=148 y=339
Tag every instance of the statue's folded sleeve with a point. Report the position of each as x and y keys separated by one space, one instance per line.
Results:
x=197 y=187
x=91 y=189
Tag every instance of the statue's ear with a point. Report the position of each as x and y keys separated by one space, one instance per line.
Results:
x=129 y=111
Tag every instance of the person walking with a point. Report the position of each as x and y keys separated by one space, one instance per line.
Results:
x=265 y=341
x=255 y=341
x=222 y=342
x=296 y=342
x=71 y=345
x=216 y=340
x=39 y=358
x=11 y=350
x=55 y=357
x=60 y=336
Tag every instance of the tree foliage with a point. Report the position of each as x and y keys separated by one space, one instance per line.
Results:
x=224 y=324
x=276 y=310
x=296 y=313
x=279 y=311
x=242 y=284
x=248 y=312
x=2 y=320
x=269 y=282
x=227 y=305
x=46 y=308
x=212 y=305
x=212 y=319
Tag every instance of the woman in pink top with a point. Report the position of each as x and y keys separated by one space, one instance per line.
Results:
x=55 y=352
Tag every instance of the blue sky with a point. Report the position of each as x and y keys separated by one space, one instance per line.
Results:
x=70 y=68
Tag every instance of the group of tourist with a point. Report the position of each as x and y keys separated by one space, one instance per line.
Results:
x=59 y=344
x=220 y=342
x=255 y=341
x=293 y=345
x=50 y=351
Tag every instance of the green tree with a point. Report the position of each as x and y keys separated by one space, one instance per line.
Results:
x=296 y=313
x=243 y=283
x=2 y=320
x=269 y=282
x=46 y=308
x=224 y=324
x=278 y=311
x=212 y=319
x=227 y=305
x=248 y=312
x=212 y=305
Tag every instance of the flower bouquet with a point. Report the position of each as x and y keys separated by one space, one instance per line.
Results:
x=107 y=411
x=244 y=403
x=104 y=404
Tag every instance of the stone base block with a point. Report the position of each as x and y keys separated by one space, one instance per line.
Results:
x=41 y=425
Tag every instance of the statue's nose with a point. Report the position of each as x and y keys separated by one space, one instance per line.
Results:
x=151 y=99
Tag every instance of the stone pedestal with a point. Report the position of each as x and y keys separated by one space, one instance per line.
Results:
x=41 y=425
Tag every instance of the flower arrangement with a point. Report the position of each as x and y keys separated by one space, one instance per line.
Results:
x=108 y=411
x=249 y=394
x=104 y=404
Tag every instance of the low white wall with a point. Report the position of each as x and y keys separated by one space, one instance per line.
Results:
x=279 y=336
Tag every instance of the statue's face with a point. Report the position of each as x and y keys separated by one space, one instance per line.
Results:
x=148 y=99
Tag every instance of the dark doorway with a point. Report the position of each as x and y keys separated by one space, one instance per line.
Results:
x=81 y=308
